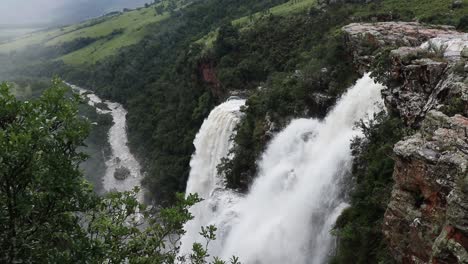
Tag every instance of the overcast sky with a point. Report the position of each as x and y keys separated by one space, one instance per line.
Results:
x=58 y=11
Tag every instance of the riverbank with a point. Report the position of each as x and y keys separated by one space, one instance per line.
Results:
x=123 y=171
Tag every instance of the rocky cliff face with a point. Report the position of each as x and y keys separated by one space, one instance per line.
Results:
x=426 y=72
x=427 y=218
x=208 y=75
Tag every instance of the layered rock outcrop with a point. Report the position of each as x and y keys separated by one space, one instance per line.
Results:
x=427 y=218
x=425 y=70
x=364 y=39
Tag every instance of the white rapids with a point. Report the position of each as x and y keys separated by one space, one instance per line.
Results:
x=297 y=196
x=118 y=140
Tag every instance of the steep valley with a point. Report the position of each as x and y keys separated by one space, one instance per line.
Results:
x=313 y=131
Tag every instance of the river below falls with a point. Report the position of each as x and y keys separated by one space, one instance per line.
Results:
x=123 y=172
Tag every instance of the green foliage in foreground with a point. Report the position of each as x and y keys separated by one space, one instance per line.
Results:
x=359 y=228
x=40 y=184
x=48 y=211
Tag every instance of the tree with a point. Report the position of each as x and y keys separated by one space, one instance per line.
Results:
x=227 y=40
x=48 y=211
x=159 y=9
x=41 y=185
x=171 y=6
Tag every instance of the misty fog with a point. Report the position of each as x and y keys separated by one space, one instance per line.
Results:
x=46 y=13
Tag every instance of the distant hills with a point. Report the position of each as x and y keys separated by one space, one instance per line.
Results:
x=94 y=39
x=78 y=10
x=48 y=13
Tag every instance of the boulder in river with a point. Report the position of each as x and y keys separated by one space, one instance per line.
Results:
x=121 y=173
x=102 y=106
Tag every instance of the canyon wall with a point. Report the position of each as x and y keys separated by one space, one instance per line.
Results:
x=425 y=69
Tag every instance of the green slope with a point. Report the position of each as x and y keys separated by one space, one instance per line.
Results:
x=35 y=38
x=289 y=8
x=132 y=23
x=110 y=32
x=434 y=11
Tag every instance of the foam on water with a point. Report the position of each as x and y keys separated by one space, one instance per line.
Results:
x=297 y=196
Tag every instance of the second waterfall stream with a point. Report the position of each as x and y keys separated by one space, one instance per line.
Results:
x=290 y=209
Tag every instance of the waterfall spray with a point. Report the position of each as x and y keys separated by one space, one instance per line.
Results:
x=212 y=143
x=294 y=202
x=297 y=196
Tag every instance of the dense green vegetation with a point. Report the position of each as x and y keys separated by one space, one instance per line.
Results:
x=295 y=59
x=25 y=89
x=158 y=82
x=300 y=64
x=131 y=25
x=287 y=56
x=38 y=177
x=359 y=228
x=293 y=51
x=427 y=11
x=96 y=144
x=289 y=94
x=48 y=211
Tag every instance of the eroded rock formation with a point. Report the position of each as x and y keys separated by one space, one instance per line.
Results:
x=427 y=218
x=425 y=70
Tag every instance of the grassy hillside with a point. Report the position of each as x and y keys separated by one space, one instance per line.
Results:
x=289 y=8
x=131 y=24
x=295 y=55
x=429 y=11
x=108 y=35
x=35 y=38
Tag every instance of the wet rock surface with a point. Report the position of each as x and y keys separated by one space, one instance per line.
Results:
x=122 y=173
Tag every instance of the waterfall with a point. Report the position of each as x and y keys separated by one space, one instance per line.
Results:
x=121 y=157
x=212 y=143
x=297 y=196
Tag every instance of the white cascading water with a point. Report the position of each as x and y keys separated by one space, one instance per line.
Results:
x=212 y=143
x=118 y=140
x=297 y=196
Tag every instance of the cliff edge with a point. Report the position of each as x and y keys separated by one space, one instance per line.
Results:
x=425 y=69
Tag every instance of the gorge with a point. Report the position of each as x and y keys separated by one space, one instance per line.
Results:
x=257 y=132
